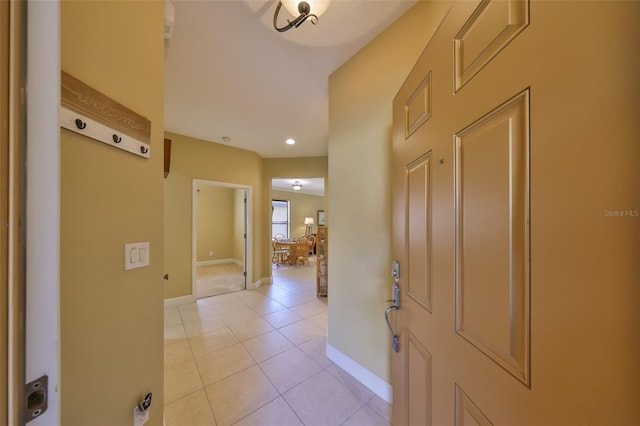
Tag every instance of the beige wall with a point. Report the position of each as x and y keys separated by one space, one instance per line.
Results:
x=111 y=320
x=360 y=119
x=215 y=222
x=193 y=158
x=307 y=167
x=301 y=206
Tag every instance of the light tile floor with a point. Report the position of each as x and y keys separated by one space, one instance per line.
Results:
x=257 y=358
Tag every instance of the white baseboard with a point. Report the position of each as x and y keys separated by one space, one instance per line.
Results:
x=180 y=300
x=260 y=282
x=219 y=262
x=360 y=373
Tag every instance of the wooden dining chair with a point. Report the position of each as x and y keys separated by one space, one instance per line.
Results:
x=280 y=254
x=300 y=251
x=312 y=246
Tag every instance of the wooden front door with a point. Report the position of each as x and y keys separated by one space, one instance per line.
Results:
x=506 y=159
x=12 y=212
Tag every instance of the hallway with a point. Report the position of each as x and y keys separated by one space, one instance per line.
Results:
x=258 y=358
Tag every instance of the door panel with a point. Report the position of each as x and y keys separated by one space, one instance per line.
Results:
x=467 y=412
x=492 y=244
x=419 y=226
x=523 y=303
x=460 y=218
x=418 y=382
x=585 y=104
x=490 y=28
x=418 y=107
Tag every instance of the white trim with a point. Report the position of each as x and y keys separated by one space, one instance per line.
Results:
x=261 y=281
x=360 y=373
x=43 y=202
x=183 y=300
x=177 y=301
x=219 y=262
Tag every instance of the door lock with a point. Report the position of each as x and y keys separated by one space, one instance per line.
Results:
x=395 y=289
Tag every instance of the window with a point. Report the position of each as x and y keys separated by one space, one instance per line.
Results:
x=279 y=218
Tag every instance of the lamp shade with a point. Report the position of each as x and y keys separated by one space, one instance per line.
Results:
x=317 y=7
x=308 y=221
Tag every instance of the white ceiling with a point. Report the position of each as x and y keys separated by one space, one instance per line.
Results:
x=311 y=186
x=228 y=72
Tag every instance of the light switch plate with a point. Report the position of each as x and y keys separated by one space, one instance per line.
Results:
x=136 y=255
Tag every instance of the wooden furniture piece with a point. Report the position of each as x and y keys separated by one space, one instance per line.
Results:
x=312 y=245
x=287 y=247
x=280 y=253
x=300 y=251
x=292 y=251
x=322 y=259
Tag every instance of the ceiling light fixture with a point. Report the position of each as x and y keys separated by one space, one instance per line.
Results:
x=303 y=10
x=290 y=141
x=296 y=186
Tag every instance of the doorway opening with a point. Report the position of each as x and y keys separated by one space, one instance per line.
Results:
x=220 y=237
x=297 y=204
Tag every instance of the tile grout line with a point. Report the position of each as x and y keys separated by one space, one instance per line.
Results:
x=289 y=300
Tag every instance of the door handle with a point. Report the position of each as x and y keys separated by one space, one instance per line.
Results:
x=396 y=341
x=395 y=303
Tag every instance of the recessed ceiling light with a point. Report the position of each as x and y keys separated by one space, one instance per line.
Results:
x=290 y=141
x=226 y=138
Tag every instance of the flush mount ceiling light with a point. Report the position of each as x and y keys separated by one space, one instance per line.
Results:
x=296 y=186
x=302 y=10
x=290 y=141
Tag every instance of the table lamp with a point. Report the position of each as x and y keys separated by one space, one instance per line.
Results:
x=308 y=221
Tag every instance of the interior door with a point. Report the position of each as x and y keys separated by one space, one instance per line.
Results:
x=492 y=325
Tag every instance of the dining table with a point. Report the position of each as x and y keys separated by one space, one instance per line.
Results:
x=287 y=245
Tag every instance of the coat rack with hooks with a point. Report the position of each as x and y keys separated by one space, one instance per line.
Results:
x=88 y=112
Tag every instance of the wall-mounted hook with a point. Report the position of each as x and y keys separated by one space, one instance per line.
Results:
x=146 y=403
x=98 y=131
x=80 y=124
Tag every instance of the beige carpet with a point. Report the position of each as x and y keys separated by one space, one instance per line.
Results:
x=212 y=280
